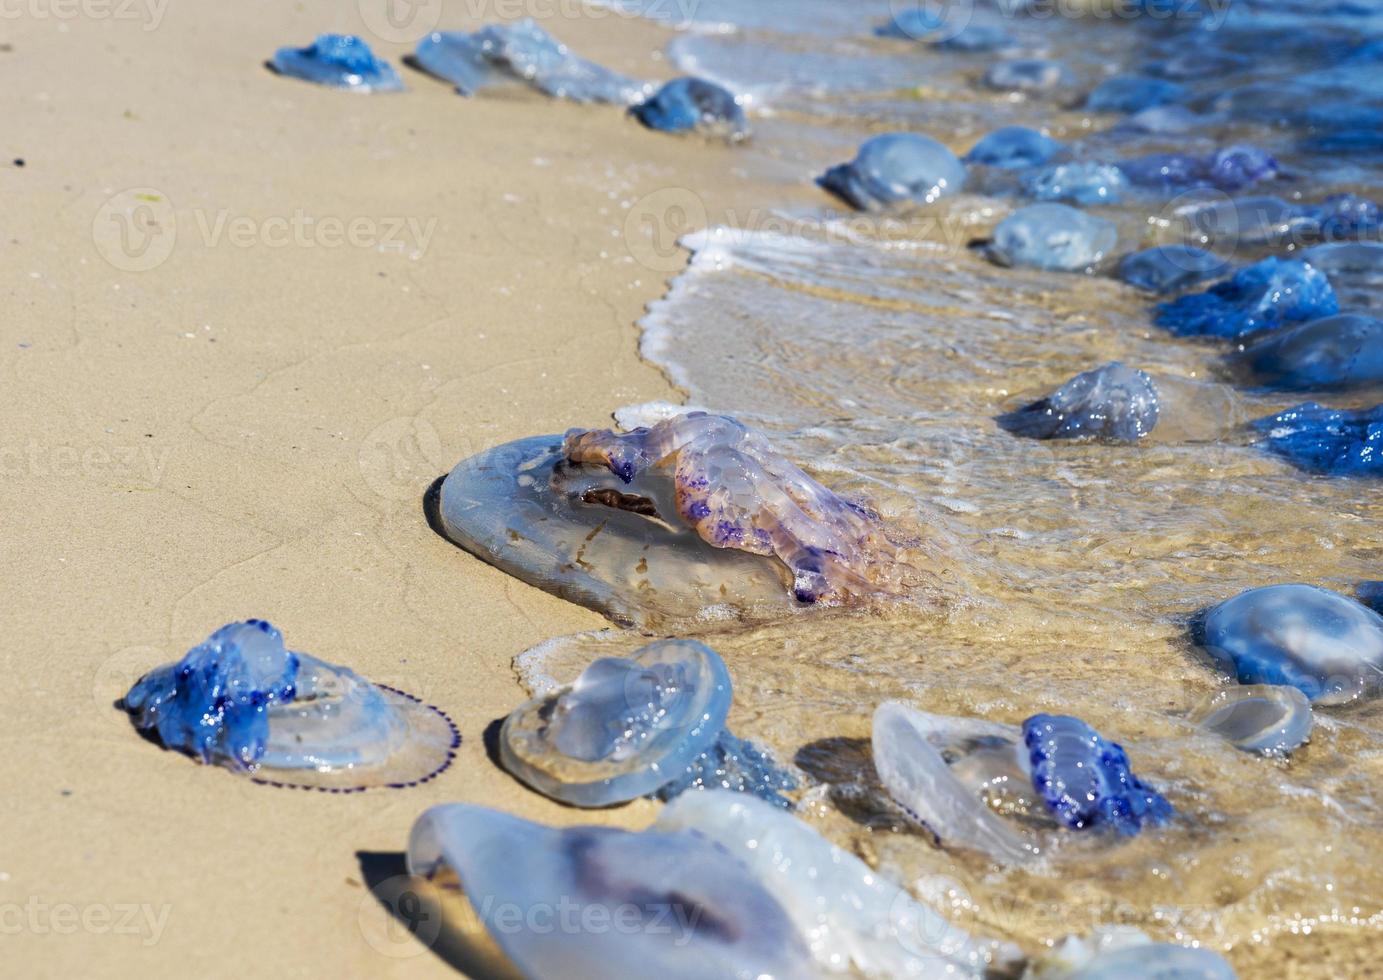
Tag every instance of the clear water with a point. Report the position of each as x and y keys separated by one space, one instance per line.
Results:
x=1065 y=576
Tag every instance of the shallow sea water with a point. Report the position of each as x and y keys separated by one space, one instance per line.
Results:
x=1065 y=577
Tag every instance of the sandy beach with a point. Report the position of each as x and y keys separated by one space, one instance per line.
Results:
x=238 y=413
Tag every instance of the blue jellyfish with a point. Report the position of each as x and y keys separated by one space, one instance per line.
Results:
x=1077 y=183
x=1335 y=352
x=1053 y=237
x=974 y=38
x=1260 y=297
x=687 y=104
x=1330 y=441
x=338 y=60
x=1086 y=780
x=1114 y=402
x=1325 y=645
x=1170 y=268
x=1133 y=93
x=895 y=168
x=1230 y=169
x=1014 y=148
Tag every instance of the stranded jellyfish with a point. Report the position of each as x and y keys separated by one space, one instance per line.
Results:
x=1014 y=148
x=1053 y=237
x=240 y=699
x=694 y=105
x=1344 y=351
x=1329 y=441
x=1260 y=297
x=996 y=788
x=521 y=53
x=1326 y=646
x=650 y=723
x=672 y=903
x=338 y=60
x=1270 y=718
x=1170 y=268
x=1114 y=403
x=895 y=168
x=694 y=519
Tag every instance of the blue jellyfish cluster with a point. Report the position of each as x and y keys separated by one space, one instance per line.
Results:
x=1087 y=781
x=1329 y=441
x=1260 y=297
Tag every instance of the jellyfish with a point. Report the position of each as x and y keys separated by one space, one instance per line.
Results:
x=1325 y=645
x=1133 y=93
x=1114 y=403
x=974 y=38
x=1335 y=352
x=1028 y=75
x=1014 y=148
x=693 y=520
x=1125 y=953
x=896 y=168
x=694 y=104
x=1170 y=268
x=244 y=701
x=852 y=916
x=521 y=52
x=669 y=903
x=1270 y=718
x=650 y=723
x=1262 y=296
x=340 y=61
x=1002 y=791
x=1329 y=441
x=1355 y=270
x=1232 y=169
x=1078 y=183
x=1054 y=237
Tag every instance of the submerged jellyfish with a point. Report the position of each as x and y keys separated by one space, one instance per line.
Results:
x=673 y=904
x=1327 y=646
x=895 y=168
x=1170 y=268
x=521 y=52
x=1014 y=148
x=1270 y=718
x=1113 y=402
x=242 y=700
x=1259 y=297
x=852 y=916
x=687 y=104
x=1122 y=953
x=990 y=788
x=1053 y=237
x=650 y=723
x=1079 y=183
x=1231 y=169
x=338 y=60
x=1355 y=270
x=1330 y=441
x=1343 y=351
x=1133 y=93
x=695 y=518
x=1027 y=75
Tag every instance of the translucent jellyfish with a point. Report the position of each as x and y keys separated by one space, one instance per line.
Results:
x=852 y=916
x=521 y=52
x=693 y=519
x=670 y=903
x=1343 y=351
x=1133 y=93
x=1262 y=296
x=240 y=699
x=1014 y=148
x=1078 y=183
x=1086 y=780
x=650 y=723
x=896 y=168
x=1269 y=718
x=1326 y=646
x=1330 y=441
x=1114 y=402
x=973 y=38
x=1355 y=270
x=1170 y=268
x=1028 y=75
x=693 y=104
x=1124 y=953
x=338 y=60
x=1000 y=790
x=1231 y=169
x=1053 y=237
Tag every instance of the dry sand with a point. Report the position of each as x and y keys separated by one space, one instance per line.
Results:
x=247 y=428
